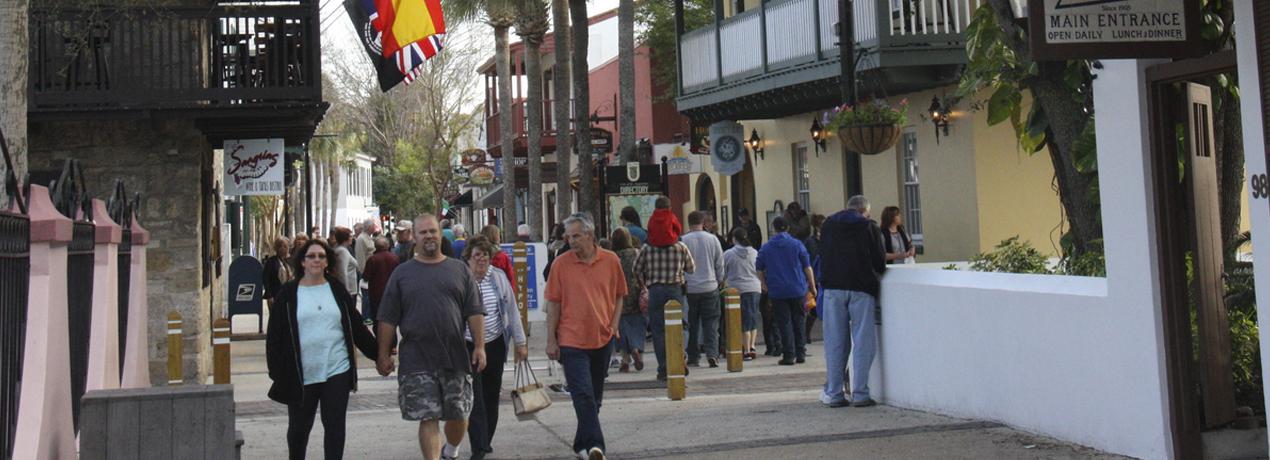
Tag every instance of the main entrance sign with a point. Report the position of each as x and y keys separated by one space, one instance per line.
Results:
x=1106 y=29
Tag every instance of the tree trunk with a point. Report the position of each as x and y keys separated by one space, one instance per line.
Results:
x=1066 y=121
x=506 y=131
x=626 y=78
x=582 y=106
x=13 y=82
x=1229 y=143
x=533 y=110
x=332 y=174
x=560 y=87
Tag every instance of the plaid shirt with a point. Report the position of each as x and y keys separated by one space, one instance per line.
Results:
x=663 y=265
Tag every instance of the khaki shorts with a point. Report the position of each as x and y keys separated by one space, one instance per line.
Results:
x=435 y=395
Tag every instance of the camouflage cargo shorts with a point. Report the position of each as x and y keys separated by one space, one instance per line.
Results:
x=435 y=395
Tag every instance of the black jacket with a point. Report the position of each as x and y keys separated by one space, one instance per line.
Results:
x=273 y=264
x=890 y=246
x=851 y=253
x=282 y=342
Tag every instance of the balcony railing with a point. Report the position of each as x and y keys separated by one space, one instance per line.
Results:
x=788 y=33
x=493 y=136
x=155 y=58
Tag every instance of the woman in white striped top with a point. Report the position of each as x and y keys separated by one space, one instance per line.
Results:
x=502 y=324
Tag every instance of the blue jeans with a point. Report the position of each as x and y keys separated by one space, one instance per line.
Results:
x=632 y=326
x=584 y=372
x=705 y=321
x=749 y=311
x=658 y=295
x=791 y=318
x=848 y=325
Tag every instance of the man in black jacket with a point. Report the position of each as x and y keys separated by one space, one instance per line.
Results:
x=852 y=262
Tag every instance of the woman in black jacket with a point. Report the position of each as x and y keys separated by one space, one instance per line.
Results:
x=313 y=328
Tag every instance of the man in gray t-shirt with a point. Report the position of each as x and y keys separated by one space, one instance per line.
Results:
x=431 y=297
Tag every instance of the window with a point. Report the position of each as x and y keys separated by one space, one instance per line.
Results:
x=802 y=177
x=912 y=186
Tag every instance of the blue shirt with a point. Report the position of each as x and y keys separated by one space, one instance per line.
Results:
x=782 y=260
x=323 y=353
x=639 y=233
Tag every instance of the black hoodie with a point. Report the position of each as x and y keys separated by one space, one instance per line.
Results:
x=851 y=255
x=282 y=343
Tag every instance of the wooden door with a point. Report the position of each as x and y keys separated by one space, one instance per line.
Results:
x=1216 y=376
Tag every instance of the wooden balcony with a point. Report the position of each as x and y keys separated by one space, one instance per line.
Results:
x=789 y=49
x=520 y=139
x=225 y=61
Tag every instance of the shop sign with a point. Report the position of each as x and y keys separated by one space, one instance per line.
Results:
x=727 y=153
x=481 y=175
x=254 y=167
x=1106 y=29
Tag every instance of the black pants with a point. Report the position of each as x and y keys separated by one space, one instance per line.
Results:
x=771 y=330
x=487 y=386
x=333 y=396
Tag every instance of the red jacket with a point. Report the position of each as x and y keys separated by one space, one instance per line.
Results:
x=504 y=262
x=664 y=228
x=378 y=268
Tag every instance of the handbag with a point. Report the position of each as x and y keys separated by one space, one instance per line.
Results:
x=528 y=397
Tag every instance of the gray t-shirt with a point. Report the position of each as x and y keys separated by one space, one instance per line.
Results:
x=430 y=303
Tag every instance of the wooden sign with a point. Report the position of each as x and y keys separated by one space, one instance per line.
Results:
x=1113 y=29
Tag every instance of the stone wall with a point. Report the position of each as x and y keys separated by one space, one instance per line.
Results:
x=165 y=161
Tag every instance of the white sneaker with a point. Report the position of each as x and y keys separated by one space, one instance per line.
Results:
x=595 y=454
x=582 y=454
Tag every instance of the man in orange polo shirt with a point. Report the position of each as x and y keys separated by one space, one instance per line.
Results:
x=584 y=304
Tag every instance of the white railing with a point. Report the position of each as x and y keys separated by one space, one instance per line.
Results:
x=740 y=36
x=700 y=58
x=791 y=31
x=788 y=30
x=917 y=17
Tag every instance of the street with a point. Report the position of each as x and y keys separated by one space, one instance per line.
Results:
x=766 y=411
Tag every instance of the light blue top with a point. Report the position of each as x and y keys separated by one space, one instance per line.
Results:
x=323 y=353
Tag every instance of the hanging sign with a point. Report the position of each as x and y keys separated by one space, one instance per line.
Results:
x=679 y=161
x=254 y=167
x=1106 y=29
x=727 y=154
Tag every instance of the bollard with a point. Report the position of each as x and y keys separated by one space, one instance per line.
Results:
x=676 y=388
x=733 y=318
x=220 y=351
x=175 y=374
x=520 y=264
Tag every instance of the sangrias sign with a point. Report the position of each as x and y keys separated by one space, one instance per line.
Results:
x=254 y=167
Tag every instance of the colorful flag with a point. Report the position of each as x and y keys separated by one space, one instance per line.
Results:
x=382 y=25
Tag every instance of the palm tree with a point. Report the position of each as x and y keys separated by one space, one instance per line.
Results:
x=501 y=15
x=531 y=26
x=582 y=105
x=626 y=78
x=560 y=88
x=13 y=76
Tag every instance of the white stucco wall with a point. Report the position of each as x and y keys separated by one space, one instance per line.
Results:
x=1254 y=163
x=1079 y=359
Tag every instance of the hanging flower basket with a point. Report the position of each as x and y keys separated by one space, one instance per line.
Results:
x=869 y=128
x=869 y=139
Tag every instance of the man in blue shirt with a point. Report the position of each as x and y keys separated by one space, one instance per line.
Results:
x=784 y=269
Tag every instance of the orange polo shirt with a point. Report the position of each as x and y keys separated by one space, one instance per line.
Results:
x=587 y=293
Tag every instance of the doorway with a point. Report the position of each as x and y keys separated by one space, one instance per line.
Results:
x=1203 y=300
x=742 y=191
x=705 y=195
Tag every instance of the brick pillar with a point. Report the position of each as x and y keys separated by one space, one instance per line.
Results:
x=103 y=345
x=136 y=361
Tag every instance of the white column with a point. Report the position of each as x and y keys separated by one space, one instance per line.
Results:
x=44 y=428
x=136 y=361
x=103 y=338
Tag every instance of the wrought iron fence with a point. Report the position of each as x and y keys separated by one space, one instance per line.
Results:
x=71 y=199
x=122 y=212
x=15 y=281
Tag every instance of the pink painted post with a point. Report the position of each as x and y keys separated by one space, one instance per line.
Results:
x=136 y=361
x=103 y=345
x=44 y=428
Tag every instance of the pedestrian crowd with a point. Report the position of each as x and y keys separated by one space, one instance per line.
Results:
x=439 y=309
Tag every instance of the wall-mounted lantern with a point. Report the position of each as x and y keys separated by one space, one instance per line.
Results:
x=756 y=144
x=938 y=112
x=818 y=135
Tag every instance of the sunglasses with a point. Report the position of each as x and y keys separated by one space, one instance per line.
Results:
x=315 y=256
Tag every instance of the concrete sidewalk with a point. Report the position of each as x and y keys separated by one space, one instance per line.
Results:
x=767 y=411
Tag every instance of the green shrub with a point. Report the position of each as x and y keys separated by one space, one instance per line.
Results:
x=1011 y=256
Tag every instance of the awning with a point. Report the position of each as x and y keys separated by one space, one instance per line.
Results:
x=491 y=199
x=462 y=200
